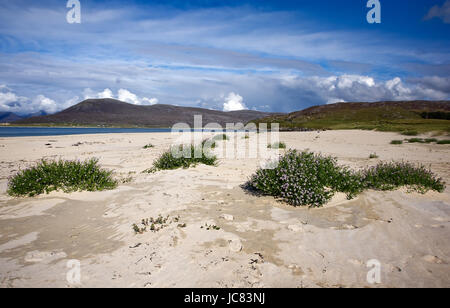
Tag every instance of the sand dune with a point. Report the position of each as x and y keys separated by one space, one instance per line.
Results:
x=261 y=242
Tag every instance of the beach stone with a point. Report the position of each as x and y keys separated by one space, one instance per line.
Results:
x=227 y=217
x=235 y=245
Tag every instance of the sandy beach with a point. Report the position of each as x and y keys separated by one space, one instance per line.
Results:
x=261 y=242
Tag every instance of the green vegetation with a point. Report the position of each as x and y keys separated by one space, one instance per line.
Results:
x=390 y=176
x=183 y=156
x=396 y=142
x=68 y=176
x=443 y=142
x=305 y=178
x=373 y=155
x=148 y=146
x=277 y=145
x=156 y=224
x=431 y=140
x=210 y=227
x=415 y=140
x=436 y=115
x=380 y=118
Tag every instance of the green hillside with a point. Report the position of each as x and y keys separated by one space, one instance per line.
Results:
x=382 y=116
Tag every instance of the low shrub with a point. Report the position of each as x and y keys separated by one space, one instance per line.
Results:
x=185 y=159
x=396 y=142
x=373 y=155
x=415 y=140
x=148 y=146
x=431 y=140
x=305 y=178
x=65 y=175
x=392 y=175
x=443 y=142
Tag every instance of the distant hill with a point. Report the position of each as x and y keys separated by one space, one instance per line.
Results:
x=111 y=112
x=385 y=116
x=8 y=117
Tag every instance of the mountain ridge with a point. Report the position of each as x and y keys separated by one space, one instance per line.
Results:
x=111 y=112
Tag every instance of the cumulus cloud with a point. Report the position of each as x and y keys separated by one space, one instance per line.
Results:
x=441 y=12
x=122 y=95
x=353 y=88
x=46 y=104
x=11 y=102
x=129 y=97
x=107 y=93
x=234 y=102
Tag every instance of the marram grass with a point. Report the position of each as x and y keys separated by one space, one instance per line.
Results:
x=169 y=161
x=68 y=176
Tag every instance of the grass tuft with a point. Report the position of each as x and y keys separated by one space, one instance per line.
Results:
x=185 y=157
x=396 y=142
x=68 y=176
x=148 y=146
x=415 y=140
x=443 y=142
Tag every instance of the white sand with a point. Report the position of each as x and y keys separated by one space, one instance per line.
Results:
x=261 y=243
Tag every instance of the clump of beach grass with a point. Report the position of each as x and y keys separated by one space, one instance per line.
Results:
x=277 y=145
x=415 y=140
x=184 y=156
x=68 y=176
x=148 y=146
x=309 y=179
x=443 y=142
x=373 y=155
x=397 y=142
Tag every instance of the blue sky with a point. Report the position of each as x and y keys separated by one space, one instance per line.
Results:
x=276 y=56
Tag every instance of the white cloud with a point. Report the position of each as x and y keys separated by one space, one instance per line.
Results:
x=334 y=101
x=233 y=102
x=354 y=88
x=122 y=95
x=129 y=97
x=442 y=12
x=41 y=102
x=10 y=102
x=107 y=93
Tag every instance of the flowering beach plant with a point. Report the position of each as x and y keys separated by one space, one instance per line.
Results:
x=309 y=179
